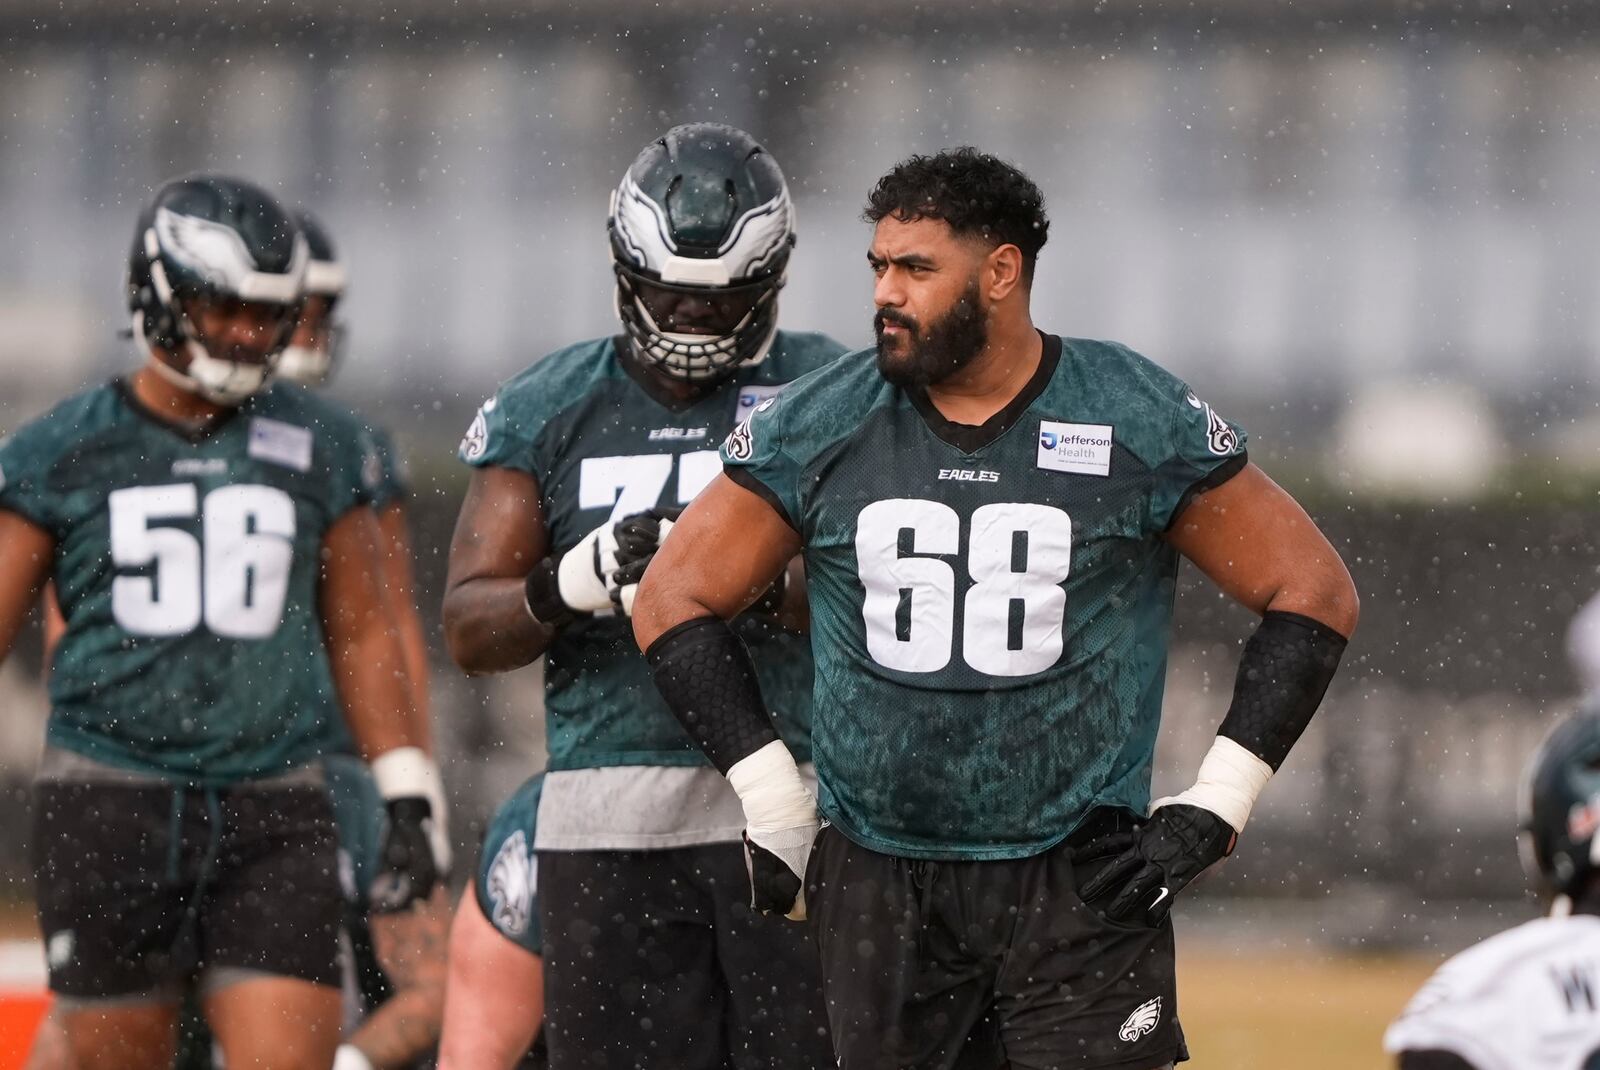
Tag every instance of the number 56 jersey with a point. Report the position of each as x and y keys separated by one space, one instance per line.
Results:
x=990 y=605
x=187 y=568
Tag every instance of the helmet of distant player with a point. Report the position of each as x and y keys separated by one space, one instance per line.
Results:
x=701 y=229
x=1561 y=806
x=213 y=243
x=318 y=339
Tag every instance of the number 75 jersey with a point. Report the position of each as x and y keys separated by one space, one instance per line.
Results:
x=990 y=606
x=187 y=567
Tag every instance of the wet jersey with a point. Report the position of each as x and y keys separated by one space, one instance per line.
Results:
x=603 y=446
x=507 y=880
x=1526 y=999
x=990 y=605
x=390 y=484
x=187 y=568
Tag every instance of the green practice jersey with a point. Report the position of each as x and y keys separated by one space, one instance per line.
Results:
x=187 y=569
x=604 y=446
x=990 y=606
x=390 y=486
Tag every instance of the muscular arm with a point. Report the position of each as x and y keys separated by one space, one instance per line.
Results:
x=399 y=588
x=53 y=624
x=410 y=946
x=1255 y=542
x=368 y=664
x=700 y=572
x=26 y=554
x=494 y=1002
x=500 y=535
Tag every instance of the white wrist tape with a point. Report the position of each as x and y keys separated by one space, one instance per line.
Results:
x=406 y=772
x=771 y=791
x=350 y=1057
x=1230 y=780
x=583 y=579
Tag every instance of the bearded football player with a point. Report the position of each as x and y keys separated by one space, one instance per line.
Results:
x=213 y=549
x=991 y=518
x=653 y=957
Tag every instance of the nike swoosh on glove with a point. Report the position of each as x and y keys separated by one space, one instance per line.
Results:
x=637 y=539
x=776 y=862
x=1156 y=861
x=406 y=872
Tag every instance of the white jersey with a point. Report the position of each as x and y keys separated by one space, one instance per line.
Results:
x=1527 y=999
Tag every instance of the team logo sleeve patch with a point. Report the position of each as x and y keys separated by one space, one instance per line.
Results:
x=1221 y=439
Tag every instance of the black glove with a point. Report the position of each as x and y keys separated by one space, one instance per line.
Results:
x=1155 y=862
x=406 y=870
x=638 y=538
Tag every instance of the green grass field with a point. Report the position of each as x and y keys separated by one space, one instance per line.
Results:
x=1302 y=1011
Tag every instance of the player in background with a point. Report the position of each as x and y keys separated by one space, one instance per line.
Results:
x=1528 y=998
x=991 y=518
x=214 y=553
x=579 y=465
x=494 y=1004
x=393 y=964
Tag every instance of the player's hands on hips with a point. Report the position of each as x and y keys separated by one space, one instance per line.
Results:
x=1153 y=863
x=776 y=860
x=406 y=870
x=636 y=539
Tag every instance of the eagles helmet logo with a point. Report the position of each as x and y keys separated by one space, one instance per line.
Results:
x=1143 y=1020
x=512 y=877
x=1221 y=439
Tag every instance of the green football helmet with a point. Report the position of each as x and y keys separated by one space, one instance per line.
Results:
x=213 y=238
x=701 y=229
x=1561 y=805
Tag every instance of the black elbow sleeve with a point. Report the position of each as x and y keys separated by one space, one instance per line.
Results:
x=706 y=675
x=1286 y=668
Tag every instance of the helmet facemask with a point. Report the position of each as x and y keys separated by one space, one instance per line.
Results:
x=316 y=344
x=697 y=333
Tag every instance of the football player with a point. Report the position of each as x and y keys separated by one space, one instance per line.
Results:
x=1529 y=998
x=213 y=551
x=494 y=1004
x=991 y=518
x=579 y=465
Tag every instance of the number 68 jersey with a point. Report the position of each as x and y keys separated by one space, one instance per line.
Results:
x=187 y=568
x=990 y=605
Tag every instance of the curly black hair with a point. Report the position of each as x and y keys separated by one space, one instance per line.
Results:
x=973 y=192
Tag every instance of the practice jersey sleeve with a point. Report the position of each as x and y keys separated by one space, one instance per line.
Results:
x=507 y=881
x=1203 y=451
x=389 y=484
x=756 y=456
x=505 y=433
x=22 y=479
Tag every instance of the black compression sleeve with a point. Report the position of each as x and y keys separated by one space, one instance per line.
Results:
x=706 y=675
x=1285 y=671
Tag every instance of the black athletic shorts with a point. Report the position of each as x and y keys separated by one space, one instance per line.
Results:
x=982 y=965
x=654 y=959
x=140 y=887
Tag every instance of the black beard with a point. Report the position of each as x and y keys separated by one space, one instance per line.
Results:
x=939 y=350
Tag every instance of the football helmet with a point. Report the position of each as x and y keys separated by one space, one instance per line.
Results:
x=209 y=238
x=318 y=340
x=701 y=229
x=1561 y=805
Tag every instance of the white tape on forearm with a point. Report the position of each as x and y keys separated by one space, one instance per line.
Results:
x=769 y=787
x=350 y=1057
x=1230 y=780
x=406 y=772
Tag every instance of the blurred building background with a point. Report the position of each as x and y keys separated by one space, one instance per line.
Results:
x=1365 y=230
